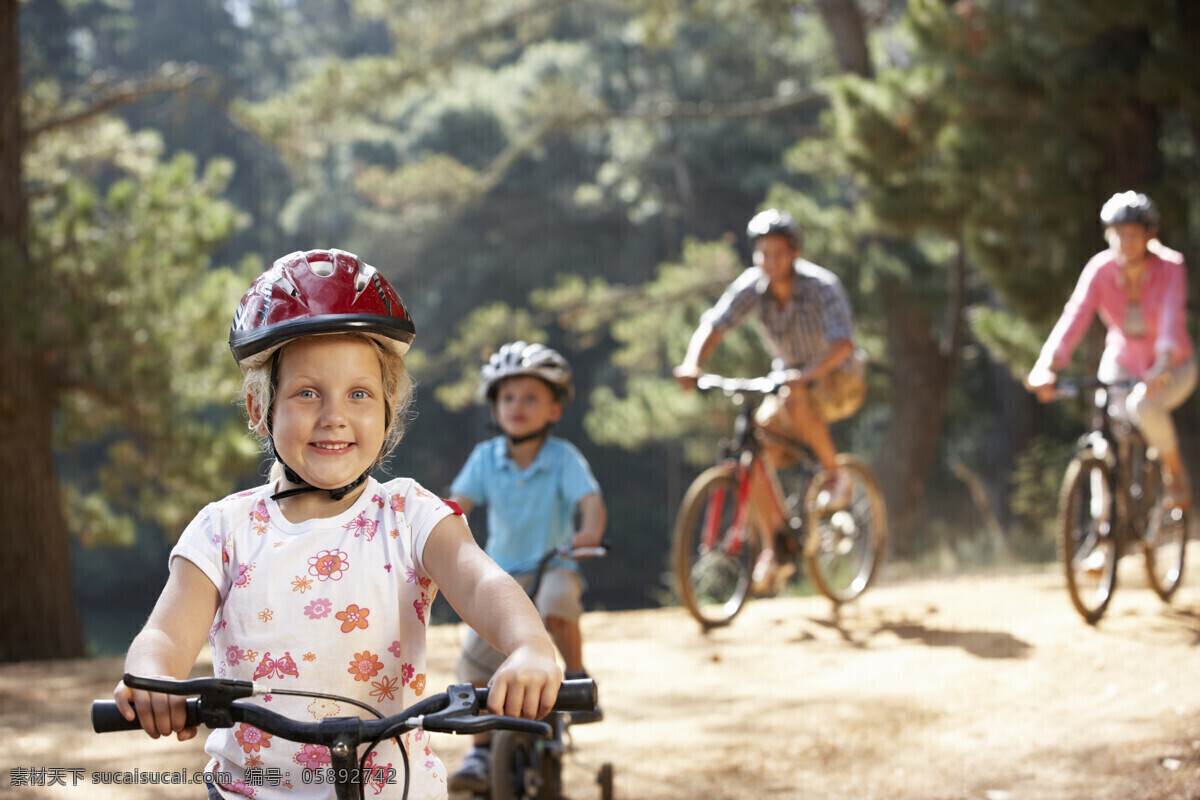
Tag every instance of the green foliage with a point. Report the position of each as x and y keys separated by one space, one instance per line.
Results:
x=135 y=327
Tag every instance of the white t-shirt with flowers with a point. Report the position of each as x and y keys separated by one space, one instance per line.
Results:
x=338 y=606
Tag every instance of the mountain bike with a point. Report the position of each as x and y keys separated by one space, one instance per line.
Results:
x=1112 y=501
x=738 y=508
x=219 y=703
x=526 y=766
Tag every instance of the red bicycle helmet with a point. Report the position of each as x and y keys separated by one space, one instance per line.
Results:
x=318 y=291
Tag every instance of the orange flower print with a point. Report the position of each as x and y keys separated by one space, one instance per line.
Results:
x=328 y=565
x=418 y=684
x=385 y=688
x=259 y=518
x=253 y=761
x=310 y=656
x=353 y=617
x=250 y=655
x=398 y=503
x=365 y=666
x=301 y=584
x=377 y=500
x=323 y=707
x=251 y=738
x=266 y=615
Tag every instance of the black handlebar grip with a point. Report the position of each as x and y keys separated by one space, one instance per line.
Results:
x=577 y=695
x=106 y=717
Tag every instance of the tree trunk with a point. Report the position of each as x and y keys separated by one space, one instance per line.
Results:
x=38 y=597
x=920 y=379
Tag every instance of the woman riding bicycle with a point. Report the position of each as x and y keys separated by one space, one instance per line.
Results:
x=1138 y=287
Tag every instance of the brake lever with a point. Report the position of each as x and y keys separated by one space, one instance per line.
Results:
x=461 y=715
x=216 y=694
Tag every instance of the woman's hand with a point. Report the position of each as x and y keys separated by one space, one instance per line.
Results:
x=526 y=684
x=1043 y=382
x=160 y=714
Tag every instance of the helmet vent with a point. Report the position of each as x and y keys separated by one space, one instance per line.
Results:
x=322 y=268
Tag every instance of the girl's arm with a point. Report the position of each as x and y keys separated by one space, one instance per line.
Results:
x=167 y=648
x=593 y=516
x=492 y=603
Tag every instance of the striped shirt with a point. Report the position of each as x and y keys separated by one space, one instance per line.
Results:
x=799 y=332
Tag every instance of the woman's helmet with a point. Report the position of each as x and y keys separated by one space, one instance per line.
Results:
x=519 y=358
x=1129 y=207
x=774 y=221
x=319 y=291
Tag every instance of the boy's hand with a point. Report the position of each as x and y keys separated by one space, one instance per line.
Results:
x=526 y=684
x=160 y=714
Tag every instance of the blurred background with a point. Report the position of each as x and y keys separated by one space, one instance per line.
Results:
x=573 y=173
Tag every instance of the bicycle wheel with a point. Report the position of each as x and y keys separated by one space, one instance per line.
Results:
x=843 y=548
x=1086 y=544
x=521 y=770
x=712 y=556
x=1165 y=545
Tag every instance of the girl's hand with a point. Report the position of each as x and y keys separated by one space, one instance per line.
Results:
x=526 y=684
x=160 y=714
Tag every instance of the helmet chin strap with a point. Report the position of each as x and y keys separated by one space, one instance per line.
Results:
x=539 y=433
x=305 y=486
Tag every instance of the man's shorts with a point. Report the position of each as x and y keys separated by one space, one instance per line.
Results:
x=835 y=396
x=560 y=595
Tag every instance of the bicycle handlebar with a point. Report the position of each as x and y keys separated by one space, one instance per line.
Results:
x=1072 y=386
x=454 y=711
x=731 y=386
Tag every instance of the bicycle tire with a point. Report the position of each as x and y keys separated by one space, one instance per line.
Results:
x=713 y=584
x=521 y=770
x=1086 y=527
x=1165 y=549
x=843 y=549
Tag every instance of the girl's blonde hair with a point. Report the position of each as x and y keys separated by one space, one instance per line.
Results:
x=397 y=386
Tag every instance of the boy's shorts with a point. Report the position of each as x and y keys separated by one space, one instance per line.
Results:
x=560 y=595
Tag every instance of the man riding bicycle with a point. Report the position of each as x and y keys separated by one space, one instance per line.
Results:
x=1138 y=288
x=808 y=326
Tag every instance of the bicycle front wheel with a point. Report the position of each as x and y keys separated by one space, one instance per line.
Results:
x=522 y=770
x=843 y=546
x=1086 y=544
x=714 y=548
x=1165 y=545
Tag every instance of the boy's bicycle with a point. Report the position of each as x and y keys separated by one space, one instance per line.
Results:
x=219 y=704
x=1111 y=501
x=526 y=766
x=738 y=508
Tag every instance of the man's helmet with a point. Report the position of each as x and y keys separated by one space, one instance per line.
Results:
x=774 y=221
x=520 y=358
x=319 y=291
x=1129 y=207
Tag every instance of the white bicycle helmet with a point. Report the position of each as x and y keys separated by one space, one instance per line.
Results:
x=521 y=358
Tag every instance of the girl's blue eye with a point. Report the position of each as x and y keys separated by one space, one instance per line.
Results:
x=359 y=394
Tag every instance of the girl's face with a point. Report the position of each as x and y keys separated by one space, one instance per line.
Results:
x=329 y=422
x=775 y=254
x=1128 y=241
x=525 y=404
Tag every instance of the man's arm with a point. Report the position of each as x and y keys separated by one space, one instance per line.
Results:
x=700 y=348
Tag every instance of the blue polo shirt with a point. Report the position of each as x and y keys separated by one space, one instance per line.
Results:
x=529 y=511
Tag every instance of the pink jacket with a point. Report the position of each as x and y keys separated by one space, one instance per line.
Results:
x=1101 y=290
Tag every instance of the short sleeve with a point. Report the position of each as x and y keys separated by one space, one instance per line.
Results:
x=576 y=478
x=203 y=543
x=470 y=483
x=423 y=510
x=737 y=301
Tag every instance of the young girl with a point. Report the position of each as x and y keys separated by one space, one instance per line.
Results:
x=322 y=579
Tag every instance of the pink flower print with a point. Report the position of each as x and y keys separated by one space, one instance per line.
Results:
x=398 y=503
x=377 y=500
x=420 y=604
x=364 y=666
x=361 y=526
x=395 y=649
x=238 y=787
x=377 y=776
x=423 y=492
x=313 y=756
x=407 y=672
x=328 y=565
x=353 y=617
x=233 y=655
x=259 y=518
x=243 y=575
x=318 y=609
x=251 y=738
x=410 y=574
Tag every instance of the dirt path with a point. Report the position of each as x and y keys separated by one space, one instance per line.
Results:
x=985 y=687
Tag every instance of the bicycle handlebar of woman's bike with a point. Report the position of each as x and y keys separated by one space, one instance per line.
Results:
x=454 y=711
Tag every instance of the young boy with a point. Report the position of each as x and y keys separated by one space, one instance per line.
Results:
x=532 y=484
